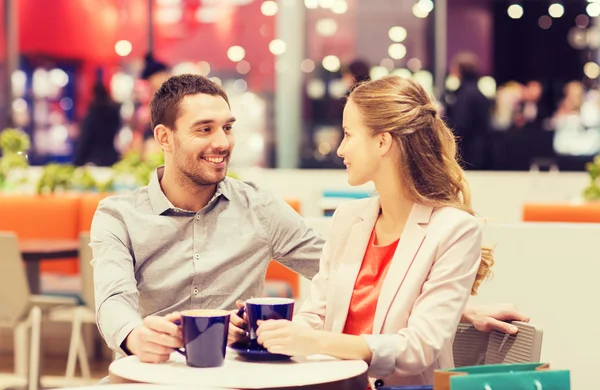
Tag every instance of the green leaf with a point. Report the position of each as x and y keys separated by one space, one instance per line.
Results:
x=13 y=141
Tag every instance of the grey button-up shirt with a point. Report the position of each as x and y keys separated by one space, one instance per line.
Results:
x=152 y=258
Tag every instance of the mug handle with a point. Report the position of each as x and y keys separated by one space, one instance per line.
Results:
x=178 y=323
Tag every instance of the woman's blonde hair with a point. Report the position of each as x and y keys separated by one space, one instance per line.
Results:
x=431 y=172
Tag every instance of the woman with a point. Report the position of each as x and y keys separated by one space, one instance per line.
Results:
x=397 y=270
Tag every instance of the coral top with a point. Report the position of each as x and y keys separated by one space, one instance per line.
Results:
x=373 y=270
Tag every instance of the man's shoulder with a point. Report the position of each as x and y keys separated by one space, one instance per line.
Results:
x=248 y=193
x=125 y=201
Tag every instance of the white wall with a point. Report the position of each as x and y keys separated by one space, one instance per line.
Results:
x=551 y=272
x=496 y=196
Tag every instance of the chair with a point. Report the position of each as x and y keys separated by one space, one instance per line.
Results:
x=472 y=347
x=80 y=315
x=23 y=311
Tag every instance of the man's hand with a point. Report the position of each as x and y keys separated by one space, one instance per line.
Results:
x=154 y=340
x=487 y=318
x=237 y=325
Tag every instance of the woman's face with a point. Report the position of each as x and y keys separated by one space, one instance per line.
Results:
x=359 y=148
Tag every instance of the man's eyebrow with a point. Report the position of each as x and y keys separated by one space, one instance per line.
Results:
x=210 y=121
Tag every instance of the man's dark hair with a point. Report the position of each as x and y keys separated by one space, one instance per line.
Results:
x=360 y=70
x=467 y=64
x=164 y=106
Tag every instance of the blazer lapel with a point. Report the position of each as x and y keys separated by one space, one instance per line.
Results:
x=350 y=265
x=408 y=247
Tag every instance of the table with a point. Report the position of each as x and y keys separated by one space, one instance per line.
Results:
x=136 y=386
x=34 y=251
x=313 y=372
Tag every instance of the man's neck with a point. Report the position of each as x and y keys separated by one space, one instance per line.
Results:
x=183 y=193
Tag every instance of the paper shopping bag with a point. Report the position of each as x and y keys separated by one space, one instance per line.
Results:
x=529 y=376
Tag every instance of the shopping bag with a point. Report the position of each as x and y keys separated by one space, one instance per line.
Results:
x=528 y=376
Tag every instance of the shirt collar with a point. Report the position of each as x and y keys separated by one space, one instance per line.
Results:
x=159 y=201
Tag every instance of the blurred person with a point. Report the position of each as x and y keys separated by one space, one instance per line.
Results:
x=506 y=106
x=468 y=113
x=356 y=72
x=99 y=127
x=532 y=111
x=155 y=73
x=196 y=239
x=352 y=74
x=418 y=236
x=576 y=122
x=572 y=101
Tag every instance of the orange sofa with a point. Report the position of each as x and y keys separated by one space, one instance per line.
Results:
x=562 y=212
x=43 y=217
x=66 y=216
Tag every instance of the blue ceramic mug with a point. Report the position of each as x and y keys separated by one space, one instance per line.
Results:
x=262 y=309
x=204 y=337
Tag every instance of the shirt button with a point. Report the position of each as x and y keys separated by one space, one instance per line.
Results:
x=197 y=257
x=195 y=291
x=197 y=217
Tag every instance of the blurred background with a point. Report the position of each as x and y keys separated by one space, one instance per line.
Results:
x=287 y=66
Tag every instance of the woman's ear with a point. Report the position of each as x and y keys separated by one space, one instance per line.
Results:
x=386 y=141
x=162 y=135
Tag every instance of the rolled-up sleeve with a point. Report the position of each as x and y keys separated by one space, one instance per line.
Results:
x=436 y=312
x=115 y=286
x=292 y=242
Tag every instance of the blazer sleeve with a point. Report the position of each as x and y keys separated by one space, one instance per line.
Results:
x=312 y=312
x=437 y=310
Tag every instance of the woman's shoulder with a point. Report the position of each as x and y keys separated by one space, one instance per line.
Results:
x=351 y=212
x=454 y=221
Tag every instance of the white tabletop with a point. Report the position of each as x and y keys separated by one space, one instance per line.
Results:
x=238 y=373
x=137 y=386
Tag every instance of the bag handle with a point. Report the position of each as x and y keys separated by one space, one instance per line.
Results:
x=537 y=383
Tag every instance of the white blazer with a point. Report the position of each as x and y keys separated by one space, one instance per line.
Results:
x=422 y=298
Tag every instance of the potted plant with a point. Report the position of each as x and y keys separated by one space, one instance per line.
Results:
x=592 y=192
x=132 y=171
x=14 y=144
x=56 y=177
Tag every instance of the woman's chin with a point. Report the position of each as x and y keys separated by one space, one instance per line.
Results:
x=355 y=181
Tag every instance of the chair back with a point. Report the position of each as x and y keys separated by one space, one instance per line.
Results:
x=473 y=348
x=14 y=286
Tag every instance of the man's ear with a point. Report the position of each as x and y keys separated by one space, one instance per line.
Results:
x=163 y=135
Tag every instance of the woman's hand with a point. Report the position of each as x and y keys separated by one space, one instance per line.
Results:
x=287 y=338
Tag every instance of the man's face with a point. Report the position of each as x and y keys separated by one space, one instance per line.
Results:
x=203 y=138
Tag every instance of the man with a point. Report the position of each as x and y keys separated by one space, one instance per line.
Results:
x=193 y=238
x=468 y=111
